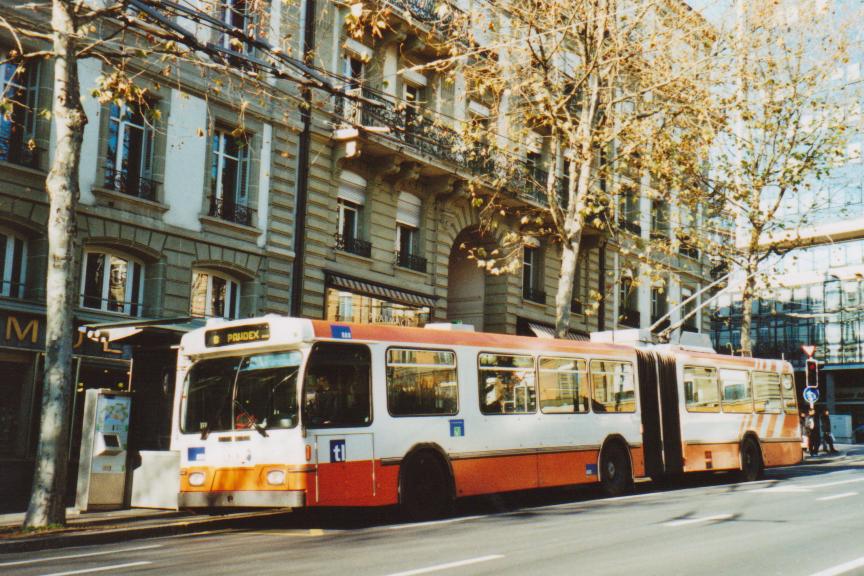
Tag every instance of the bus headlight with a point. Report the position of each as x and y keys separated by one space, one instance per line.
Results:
x=196 y=479
x=276 y=477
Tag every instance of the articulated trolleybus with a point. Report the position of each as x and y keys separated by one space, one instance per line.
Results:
x=288 y=412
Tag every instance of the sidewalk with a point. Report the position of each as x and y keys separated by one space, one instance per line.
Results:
x=118 y=525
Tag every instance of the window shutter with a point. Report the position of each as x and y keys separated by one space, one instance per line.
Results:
x=408 y=210
x=352 y=188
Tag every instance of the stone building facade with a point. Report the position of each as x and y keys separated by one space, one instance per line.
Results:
x=185 y=211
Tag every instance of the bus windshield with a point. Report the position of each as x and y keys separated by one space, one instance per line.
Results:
x=242 y=392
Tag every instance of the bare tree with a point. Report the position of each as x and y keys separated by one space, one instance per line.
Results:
x=592 y=93
x=133 y=38
x=785 y=118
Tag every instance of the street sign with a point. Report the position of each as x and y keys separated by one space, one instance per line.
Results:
x=811 y=395
x=809 y=349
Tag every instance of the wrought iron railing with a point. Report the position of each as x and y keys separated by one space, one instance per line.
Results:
x=17 y=151
x=442 y=16
x=533 y=295
x=227 y=209
x=418 y=129
x=353 y=245
x=130 y=184
x=630 y=226
x=411 y=261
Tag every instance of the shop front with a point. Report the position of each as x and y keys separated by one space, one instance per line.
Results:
x=22 y=345
x=349 y=299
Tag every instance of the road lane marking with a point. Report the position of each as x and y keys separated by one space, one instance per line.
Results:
x=837 y=496
x=434 y=522
x=447 y=566
x=85 y=555
x=781 y=490
x=842 y=568
x=837 y=483
x=100 y=569
x=687 y=521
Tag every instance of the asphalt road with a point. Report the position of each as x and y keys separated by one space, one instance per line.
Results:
x=806 y=520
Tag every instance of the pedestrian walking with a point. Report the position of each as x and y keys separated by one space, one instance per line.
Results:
x=827 y=437
x=813 y=439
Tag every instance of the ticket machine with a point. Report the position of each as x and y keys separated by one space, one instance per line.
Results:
x=104 y=436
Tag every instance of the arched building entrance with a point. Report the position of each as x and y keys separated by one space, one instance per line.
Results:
x=466 y=283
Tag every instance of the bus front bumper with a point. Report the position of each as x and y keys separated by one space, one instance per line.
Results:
x=243 y=499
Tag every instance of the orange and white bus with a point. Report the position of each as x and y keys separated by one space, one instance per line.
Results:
x=288 y=412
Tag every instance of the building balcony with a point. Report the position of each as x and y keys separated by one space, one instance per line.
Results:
x=410 y=126
x=411 y=261
x=534 y=295
x=438 y=15
x=130 y=184
x=353 y=245
x=16 y=151
x=226 y=209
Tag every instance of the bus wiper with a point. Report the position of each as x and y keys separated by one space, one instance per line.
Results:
x=205 y=431
x=250 y=419
x=260 y=429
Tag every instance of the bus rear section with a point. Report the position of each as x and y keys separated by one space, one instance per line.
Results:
x=708 y=412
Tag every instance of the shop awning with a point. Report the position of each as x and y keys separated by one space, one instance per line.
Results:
x=366 y=288
x=547 y=332
x=164 y=331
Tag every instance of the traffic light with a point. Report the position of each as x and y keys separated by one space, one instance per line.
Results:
x=812 y=378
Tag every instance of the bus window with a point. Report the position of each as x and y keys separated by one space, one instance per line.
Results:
x=790 y=396
x=421 y=382
x=336 y=391
x=700 y=389
x=735 y=395
x=207 y=396
x=613 y=388
x=563 y=386
x=766 y=392
x=506 y=384
x=241 y=393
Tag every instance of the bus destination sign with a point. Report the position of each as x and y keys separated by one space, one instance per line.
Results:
x=237 y=335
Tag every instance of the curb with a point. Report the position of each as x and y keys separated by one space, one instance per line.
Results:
x=85 y=536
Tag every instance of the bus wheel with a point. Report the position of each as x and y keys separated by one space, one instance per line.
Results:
x=752 y=467
x=615 y=475
x=425 y=489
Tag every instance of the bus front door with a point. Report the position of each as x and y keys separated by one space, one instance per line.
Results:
x=344 y=469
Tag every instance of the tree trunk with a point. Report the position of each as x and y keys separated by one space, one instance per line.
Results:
x=47 y=500
x=747 y=307
x=577 y=193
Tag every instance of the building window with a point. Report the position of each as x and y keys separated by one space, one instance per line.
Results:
x=531 y=270
x=350 y=201
x=214 y=295
x=688 y=310
x=113 y=283
x=581 y=292
x=408 y=233
x=628 y=210
x=20 y=89
x=229 y=178
x=628 y=310
x=659 y=306
x=13 y=263
x=238 y=15
x=129 y=158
